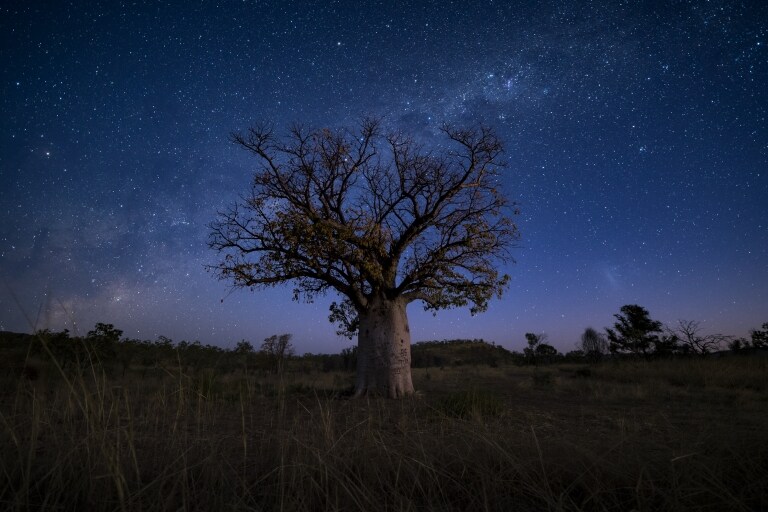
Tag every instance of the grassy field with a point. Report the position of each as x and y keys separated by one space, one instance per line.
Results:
x=687 y=434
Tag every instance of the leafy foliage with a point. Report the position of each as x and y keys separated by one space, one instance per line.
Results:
x=537 y=351
x=636 y=333
x=243 y=347
x=760 y=338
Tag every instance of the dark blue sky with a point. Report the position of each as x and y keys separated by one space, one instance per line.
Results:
x=636 y=137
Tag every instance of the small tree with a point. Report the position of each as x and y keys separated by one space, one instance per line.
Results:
x=666 y=345
x=243 y=347
x=378 y=219
x=634 y=332
x=739 y=344
x=593 y=344
x=760 y=338
x=546 y=352
x=278 y=348
x=537 y=350
x=102 y=341
x=243 y=353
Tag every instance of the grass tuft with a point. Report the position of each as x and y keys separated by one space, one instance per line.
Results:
x=474 y=403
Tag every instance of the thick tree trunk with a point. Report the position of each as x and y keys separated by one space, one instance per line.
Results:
x=384 y=350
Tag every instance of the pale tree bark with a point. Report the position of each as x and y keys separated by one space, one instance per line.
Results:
x=384 y=350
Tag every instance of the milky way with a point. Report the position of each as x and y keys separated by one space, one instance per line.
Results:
x=636 y=138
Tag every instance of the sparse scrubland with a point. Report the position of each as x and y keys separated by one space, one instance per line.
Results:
x=686 y=433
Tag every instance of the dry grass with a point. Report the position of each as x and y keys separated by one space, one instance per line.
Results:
x=670 y=435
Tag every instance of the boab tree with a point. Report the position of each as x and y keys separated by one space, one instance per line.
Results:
x=378 y=218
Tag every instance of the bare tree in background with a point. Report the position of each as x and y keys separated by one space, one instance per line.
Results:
x=688 y=334
x=380 y=220
x=593 y=344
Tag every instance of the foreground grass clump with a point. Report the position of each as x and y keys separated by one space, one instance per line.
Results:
x=621 y=436
x=473 y=403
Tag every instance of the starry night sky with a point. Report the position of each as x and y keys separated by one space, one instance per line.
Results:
x=636 y=137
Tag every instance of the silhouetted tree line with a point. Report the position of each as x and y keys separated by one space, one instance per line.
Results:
x=104 y=348
x=344 y=361
x=634 y=334
x=759 y=340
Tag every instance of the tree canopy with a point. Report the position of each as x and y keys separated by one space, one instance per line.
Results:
x=636 y=333
x=370 y=211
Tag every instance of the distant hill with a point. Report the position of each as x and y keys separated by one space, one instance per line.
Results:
x=458 y=352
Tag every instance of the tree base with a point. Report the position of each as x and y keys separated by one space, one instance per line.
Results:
x=384 y=351
x=403 y=391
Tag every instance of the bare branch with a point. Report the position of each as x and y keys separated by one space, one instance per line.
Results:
x=688 y=332
x=369 y=213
